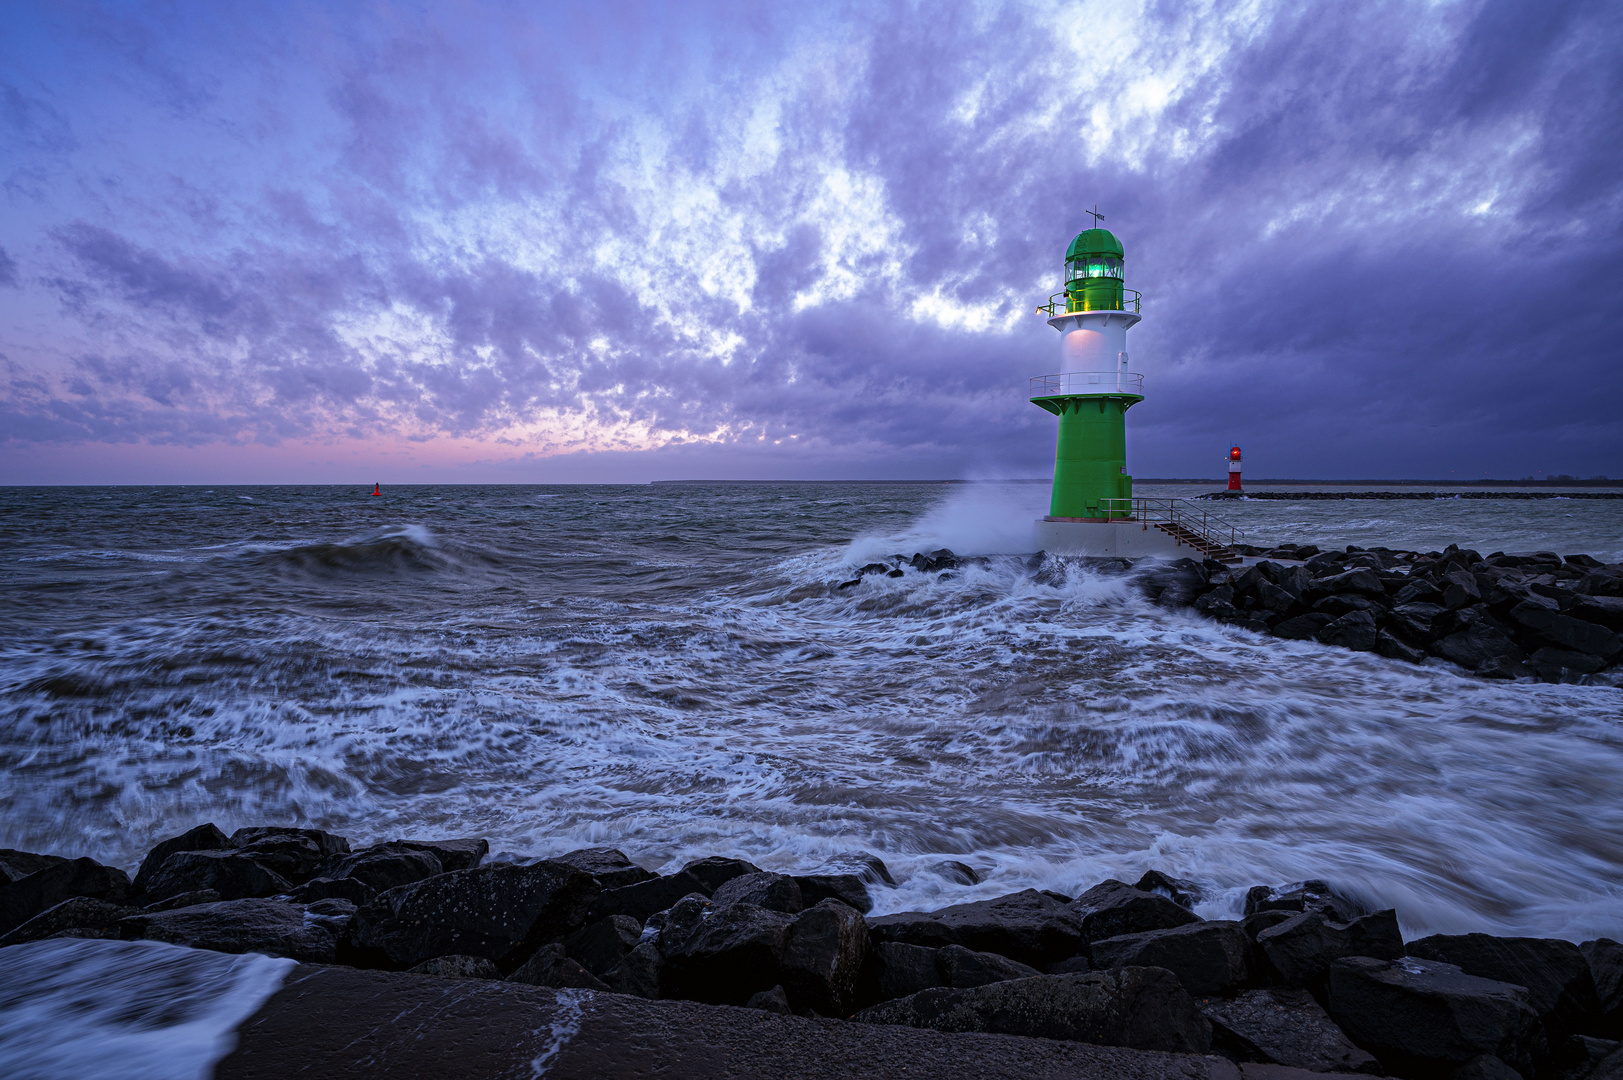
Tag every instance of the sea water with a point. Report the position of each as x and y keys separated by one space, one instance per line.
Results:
x=671 y=670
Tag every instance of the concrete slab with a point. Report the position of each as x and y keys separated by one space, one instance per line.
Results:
x=330 y=1021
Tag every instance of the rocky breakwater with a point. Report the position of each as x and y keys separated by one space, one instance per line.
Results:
x=1304 y=979
x=1532 y=615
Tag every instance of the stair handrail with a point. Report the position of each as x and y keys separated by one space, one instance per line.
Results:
x=1216 y=531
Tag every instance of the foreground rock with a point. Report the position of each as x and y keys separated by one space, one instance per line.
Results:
x=1142 y=1008
x=1030 y=926
x=1605 y=958
x=239 y=926
x=370 y=1025
x=80 y=916
x=1422 y=1018
x=50 y=885
x=1284 y=1027
x=739 y=950
x=502 y=913
x=1207 y=957
x=1301 y=948
x=1113 y=908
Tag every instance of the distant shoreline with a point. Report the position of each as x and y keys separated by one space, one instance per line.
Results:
x=1536 y=484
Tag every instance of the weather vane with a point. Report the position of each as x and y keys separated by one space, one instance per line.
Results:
x=1097 y=217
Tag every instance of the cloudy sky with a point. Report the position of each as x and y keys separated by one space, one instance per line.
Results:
x=607 y=241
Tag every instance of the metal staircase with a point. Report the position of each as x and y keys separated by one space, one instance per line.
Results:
x=1185 y=522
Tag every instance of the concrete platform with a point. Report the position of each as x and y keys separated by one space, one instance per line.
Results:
x=330 y=1022
x=1123 y=539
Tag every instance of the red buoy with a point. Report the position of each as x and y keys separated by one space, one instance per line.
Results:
x=377 y=489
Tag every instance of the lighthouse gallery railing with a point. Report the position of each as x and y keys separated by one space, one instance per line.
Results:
x=1087 y=382
x=1181 y=512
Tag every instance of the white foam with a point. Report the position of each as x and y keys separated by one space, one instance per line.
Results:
x=135 y=1010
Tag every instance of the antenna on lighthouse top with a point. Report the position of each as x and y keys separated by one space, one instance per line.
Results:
x=1097 y=217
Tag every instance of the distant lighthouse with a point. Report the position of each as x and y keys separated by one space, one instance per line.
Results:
x=1092 y=510
x=1234 y=468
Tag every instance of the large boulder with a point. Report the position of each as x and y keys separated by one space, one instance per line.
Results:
x=1142 y=1008
x=1113 y=908
x=601 y=945
x=295 y=854
x=1028 y=926
x=1283 y=1026
x=1566 y=632
x=823 y=956
x=897 y=970
x=325 y=888
x=385 y=866
x=964 y=969
x=1478 y=645
x=253 y=925
x=1559 y=984
x=1207 y=957
x=715 y=871
x=47 y=887
x=775 y=892
x=232 y=873
x=1301 y=949
x=1311 y=895
x=1181 y=891
x=203 y=838
x=610 y=866
x=1423 y=1019
x=637 y=973
x=846 y=877
x=463 y=854
x=457 y=967
x=501 y=912
x=726 y=956
x=16 y=865
x=549 y=966
x=77 y=913
x=642 y=899
x=1355 y=630
x=1605 y=959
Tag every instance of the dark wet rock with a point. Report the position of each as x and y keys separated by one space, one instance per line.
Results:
x=1485 y=1067
x=676 y=922
x=549 y=966
x=600 y=946
x=334 y=913
x=15 y=865
x=295 y=854
x=773 y=1001
x=1605 y=959
x=1415 y=622
x=1337 y=606
x=638 y=973
x=775 y=892
x=963 y=969
x=823 y=957
x=47 y=887
x=1421 y=591
x=1460 y=589
x=1285 y=1027
x=1173 y=584
x=1601 y=1059
x=1184 y=893
x=464 y=854
x=324 y=888
x=233 y=874
x=1301 y=949
x=955 y=871
x=457 y=967
x=1354 y=630
x=1142 y=1008
x=500 y=912
x=1360 y=580
x=1207 y=957
x=641 y=900
x=1074 y=965
x=237 y=926
x=609 y=866
x=1027 y=926
x=845 y=877
x=1605 y=611
x=1113 y=908
x=1395 y=648
x=716 y=871
x=1566 y=632
x=203 y=838
x=1423 y=1018
x=1258 y=921
x=898 y=970
x=385 y=866
x=1559 y=984
x=729 y=955
x=1303 y=627
x=75 y=913
x=1312 y=895
x=1475 y=646
x=1560 y=665
x=191 y=899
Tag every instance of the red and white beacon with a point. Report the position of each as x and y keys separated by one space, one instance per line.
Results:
x=1234 y=468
